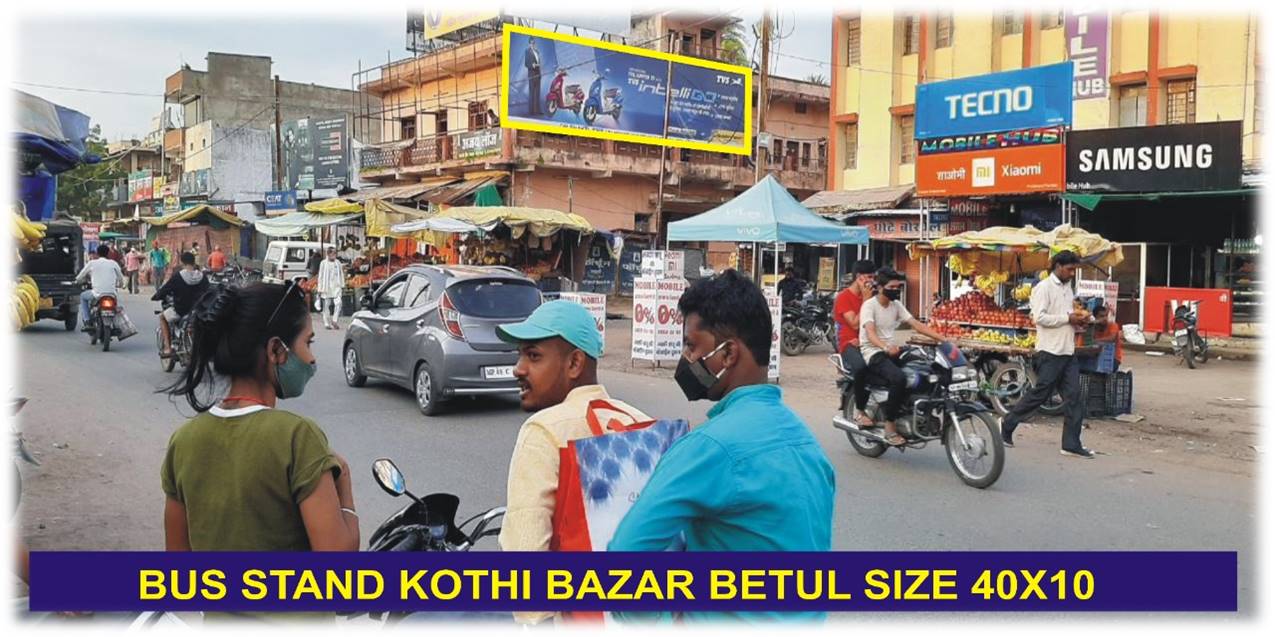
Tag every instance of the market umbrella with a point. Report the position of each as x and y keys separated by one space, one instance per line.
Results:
x=295 y=224
x=1027 y=248
x=765 y=213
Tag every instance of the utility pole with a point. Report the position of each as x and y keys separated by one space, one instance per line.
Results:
x=278 y=139
x=659 y=204
x=571 y=180
x=763 y=87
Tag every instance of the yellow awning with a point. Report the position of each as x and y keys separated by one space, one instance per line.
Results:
x=193 y=213
x=1002 y=248
x=542 y=222
x=334 y=206
x=379 y=215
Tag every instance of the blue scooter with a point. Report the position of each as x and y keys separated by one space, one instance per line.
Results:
x=607 y=102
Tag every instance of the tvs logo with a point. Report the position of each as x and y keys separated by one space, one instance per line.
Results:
x=984 y=169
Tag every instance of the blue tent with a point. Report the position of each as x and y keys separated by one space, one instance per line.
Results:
x=765 y=213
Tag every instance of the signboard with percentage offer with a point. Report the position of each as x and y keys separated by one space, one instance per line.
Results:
x=668 y=321
x=597 y=306
x=776 y=311
x=645 y=299
x=1094 y=289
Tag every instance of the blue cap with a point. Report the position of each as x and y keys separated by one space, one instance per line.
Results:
x=565 y=319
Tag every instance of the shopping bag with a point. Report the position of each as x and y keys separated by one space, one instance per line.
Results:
x=124 y=325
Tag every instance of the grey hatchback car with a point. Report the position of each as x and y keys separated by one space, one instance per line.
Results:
x=432 y=329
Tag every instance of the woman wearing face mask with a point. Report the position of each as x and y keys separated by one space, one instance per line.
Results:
x=243 y=475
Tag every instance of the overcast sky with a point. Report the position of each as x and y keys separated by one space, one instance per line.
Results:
x=134 y=55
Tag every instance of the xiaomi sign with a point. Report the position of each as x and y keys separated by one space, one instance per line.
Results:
x=1004 y=171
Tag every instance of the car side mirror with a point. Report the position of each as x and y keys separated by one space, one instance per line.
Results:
x=366 y=301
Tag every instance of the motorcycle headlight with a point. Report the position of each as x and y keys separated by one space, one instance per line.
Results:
x=961 y=373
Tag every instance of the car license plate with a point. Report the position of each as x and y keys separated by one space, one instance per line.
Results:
x=969 y=385
x=46 y=302
x=1180 y=333
x=503 y=372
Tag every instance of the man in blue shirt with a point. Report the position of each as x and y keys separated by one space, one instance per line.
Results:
x=752 y=477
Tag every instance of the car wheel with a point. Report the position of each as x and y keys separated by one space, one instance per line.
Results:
x=354 y=376
x=425 y=387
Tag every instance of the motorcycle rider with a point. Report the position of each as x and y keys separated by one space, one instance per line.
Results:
x=845 y=312
x=105 y=277
x=878 y=320
x=790 y=286
x=186 y=286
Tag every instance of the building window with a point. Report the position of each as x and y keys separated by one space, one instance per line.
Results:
x=409 y=127
x=907 y=145
x=852 y=147
x=1180 y=107
x=477 y=115
x=943 y=27
x=1133 y=105
x=911 y=34
x=800 y=108
x=823 y=154
x=1051 y=20
x=1011 y=23
x=852 y=42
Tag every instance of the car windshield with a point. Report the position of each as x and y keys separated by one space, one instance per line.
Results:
x=495 y=299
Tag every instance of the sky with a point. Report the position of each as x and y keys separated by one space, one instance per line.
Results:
x=132 y=54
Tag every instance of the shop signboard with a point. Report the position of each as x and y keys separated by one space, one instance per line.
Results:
x=1108 y=291
x=991 y=141
x=597 y=306
x=668 y=320
x=481 y=143
x=599 y=267
x=1171 y=158
x=1011 y=100
x=1018 y=170
x=663 y=263
x=827 y=274
x=1213 y=308
x=776 y=311
x=90 y=231
x=140 y=186
x=645 y=302
x=281 y=200
x=565 y=84
x=172 y=203
x=1088 y=46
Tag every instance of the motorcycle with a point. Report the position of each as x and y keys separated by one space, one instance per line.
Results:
x=101 y=321
x=940 y=405
x=563 y=95
x=183 y=342
x=606 y=101
x=807 y=322
x=1187 y=342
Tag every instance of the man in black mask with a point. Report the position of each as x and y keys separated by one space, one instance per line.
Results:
x=752 y=477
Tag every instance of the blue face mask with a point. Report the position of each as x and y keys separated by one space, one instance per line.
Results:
x=292 y=376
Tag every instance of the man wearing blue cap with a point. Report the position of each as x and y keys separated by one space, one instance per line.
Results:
x=558 y=350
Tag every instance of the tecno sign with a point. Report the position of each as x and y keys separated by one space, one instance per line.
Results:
x=1016 y=170
x=1027 y=98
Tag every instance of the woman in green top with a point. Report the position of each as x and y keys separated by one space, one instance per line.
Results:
x=242 y=475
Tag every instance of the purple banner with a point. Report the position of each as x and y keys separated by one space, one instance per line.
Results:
x=636 y=582
x=1088 y=45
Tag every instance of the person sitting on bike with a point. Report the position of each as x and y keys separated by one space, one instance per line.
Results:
x=104 y=276
x=791 y=286
x=879 y=317
x=846 y=310
x=186 y=286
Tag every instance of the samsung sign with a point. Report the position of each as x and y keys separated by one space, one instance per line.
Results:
x=1175 y=158
x=1027 y=98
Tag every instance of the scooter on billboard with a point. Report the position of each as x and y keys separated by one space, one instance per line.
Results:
x=563 y=95
x=607 y=101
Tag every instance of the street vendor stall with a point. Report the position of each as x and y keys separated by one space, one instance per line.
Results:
x=1004 y=263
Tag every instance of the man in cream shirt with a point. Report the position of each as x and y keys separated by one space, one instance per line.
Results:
x=558 y=350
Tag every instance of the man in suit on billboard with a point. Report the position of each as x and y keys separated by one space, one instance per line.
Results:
x=532 y=61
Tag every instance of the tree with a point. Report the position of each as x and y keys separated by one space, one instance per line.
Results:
x=86 y=189
x=815 y=78
x=734 y=50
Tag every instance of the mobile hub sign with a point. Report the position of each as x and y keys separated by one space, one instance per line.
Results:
x=1027 y=98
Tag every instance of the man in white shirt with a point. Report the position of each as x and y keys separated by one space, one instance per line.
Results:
x=879 y=317
x=1057 y=370
x=331 y=282
x=104 y=275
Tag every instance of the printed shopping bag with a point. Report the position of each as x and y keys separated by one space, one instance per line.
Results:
x=124 y=325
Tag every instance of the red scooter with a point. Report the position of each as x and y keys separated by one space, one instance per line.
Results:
x=563 y=95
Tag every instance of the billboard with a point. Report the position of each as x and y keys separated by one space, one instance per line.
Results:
x=140 y=186
x=556 y=83
x=438 y=22
x=1010 y=100
x=1023 y=169
x=316 y=153
x=1176 y=157
x=195 y=182
x=1089 y=46
x=281 y=200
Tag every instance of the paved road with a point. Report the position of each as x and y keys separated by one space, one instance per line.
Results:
x=101 y=432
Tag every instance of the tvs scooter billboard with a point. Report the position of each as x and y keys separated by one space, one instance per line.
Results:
x=556 y=83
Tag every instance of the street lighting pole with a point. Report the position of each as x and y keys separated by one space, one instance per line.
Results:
x=763 y=87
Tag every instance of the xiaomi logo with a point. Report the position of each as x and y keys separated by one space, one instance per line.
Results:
x=984 y=172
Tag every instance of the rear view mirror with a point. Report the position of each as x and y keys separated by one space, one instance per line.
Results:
x=389 y=477
x=366 y=301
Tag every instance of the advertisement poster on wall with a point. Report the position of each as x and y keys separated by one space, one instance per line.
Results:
x=599 y=267
x=140 y=186
x=316 y=153
x=1088 y=45
x=576 y=86
x=1011 y=100
x=1170 y=158
x=195 y=182
x=1020 y=170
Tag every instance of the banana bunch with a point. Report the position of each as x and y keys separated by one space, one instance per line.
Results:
x=26 y=300
x=1026 y=341
x=992 y=336
x=1023 y=292
x=28 y=233
x=961 y=266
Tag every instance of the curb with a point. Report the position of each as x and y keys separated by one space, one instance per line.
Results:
x=1226 y=353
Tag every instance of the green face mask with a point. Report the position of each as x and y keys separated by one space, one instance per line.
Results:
x=292 y=376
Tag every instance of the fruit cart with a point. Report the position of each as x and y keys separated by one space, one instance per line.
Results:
x=999 y=339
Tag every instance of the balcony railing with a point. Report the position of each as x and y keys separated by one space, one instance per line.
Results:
x=460 y=147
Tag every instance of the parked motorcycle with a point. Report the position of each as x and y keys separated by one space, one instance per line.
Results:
x=939 y=406
x=563 y=95
x=807 y=322
x=101 y=321
x=606 y=101
x=1187 y=342
x=183 y=342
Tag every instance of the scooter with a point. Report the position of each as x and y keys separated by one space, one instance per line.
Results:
x=941 y=404
x=563 y=95
x=606 y=101
x=1187 y=341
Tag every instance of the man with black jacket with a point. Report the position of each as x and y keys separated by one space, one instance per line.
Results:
x=185 y=286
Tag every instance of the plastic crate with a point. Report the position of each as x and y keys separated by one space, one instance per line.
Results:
x=1103 y=363
x=1093 y=393
x=1119 y=393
